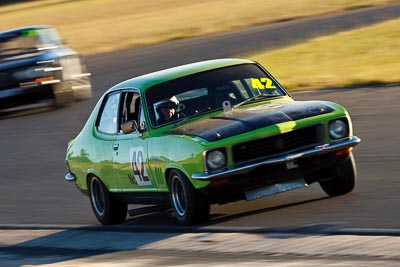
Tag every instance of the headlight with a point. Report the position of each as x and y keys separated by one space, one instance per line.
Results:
x=215 y=160
x=338 y=129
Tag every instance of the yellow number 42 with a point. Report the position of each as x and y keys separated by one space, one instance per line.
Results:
x=262 y=83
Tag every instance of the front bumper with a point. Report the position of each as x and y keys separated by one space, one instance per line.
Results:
x=70 y=177
x=319 y=150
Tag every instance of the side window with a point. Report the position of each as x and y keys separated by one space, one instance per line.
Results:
x=108 y=122
x=130 y=108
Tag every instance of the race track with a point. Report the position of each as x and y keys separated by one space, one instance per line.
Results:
x=33 y=190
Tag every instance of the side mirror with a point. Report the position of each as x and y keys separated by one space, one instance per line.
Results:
x=130 y=127
x=143 y=127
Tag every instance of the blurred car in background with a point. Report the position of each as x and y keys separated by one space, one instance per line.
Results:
x=35 y=65
x=210 y=132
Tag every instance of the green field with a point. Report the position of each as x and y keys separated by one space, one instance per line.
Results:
x=104 y=25
x=364 y=56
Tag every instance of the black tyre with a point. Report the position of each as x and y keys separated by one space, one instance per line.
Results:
x=344 y=180
x=189 y=205
x=107 y=208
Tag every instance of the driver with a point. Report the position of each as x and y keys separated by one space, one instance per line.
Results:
x=167 y=111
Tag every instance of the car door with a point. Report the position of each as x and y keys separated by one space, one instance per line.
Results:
x=130 y=149
x=105 y=135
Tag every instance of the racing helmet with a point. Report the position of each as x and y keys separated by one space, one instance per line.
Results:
x=167 y=103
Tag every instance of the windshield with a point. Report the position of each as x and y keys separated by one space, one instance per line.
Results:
x=27 y=40
x=209 y=91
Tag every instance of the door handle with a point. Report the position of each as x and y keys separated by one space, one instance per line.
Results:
x=116 y=146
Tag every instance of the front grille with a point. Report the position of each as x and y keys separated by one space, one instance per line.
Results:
x=277 y=145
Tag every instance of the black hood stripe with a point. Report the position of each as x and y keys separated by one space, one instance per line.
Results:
x=245 y=120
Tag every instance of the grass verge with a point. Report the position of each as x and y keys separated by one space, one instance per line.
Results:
x=364 y=56
x=106 y=25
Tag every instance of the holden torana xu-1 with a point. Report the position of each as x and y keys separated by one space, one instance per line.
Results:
x=35 y=65
x=210 y=132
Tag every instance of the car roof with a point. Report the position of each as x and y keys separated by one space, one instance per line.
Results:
x=148 y=80
x=27 y=28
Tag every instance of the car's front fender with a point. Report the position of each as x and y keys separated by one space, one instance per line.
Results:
x=175 y=152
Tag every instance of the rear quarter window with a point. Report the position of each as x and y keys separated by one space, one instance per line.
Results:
x=108 y=118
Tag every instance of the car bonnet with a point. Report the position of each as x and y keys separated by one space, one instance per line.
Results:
x=244 y=120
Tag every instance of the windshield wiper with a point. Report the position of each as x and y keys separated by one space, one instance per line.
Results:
x=261 y=96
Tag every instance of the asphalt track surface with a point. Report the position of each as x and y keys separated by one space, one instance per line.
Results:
x=33 y=190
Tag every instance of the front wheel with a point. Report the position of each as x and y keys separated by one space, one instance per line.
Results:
x=189 y=205
x=107 y=208
x=344 y=179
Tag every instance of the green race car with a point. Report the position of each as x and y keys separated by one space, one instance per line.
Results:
x=210 y=132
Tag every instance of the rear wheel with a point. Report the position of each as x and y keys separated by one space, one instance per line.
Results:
x=189 y=205
x=344 y=179
x=107 y=208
